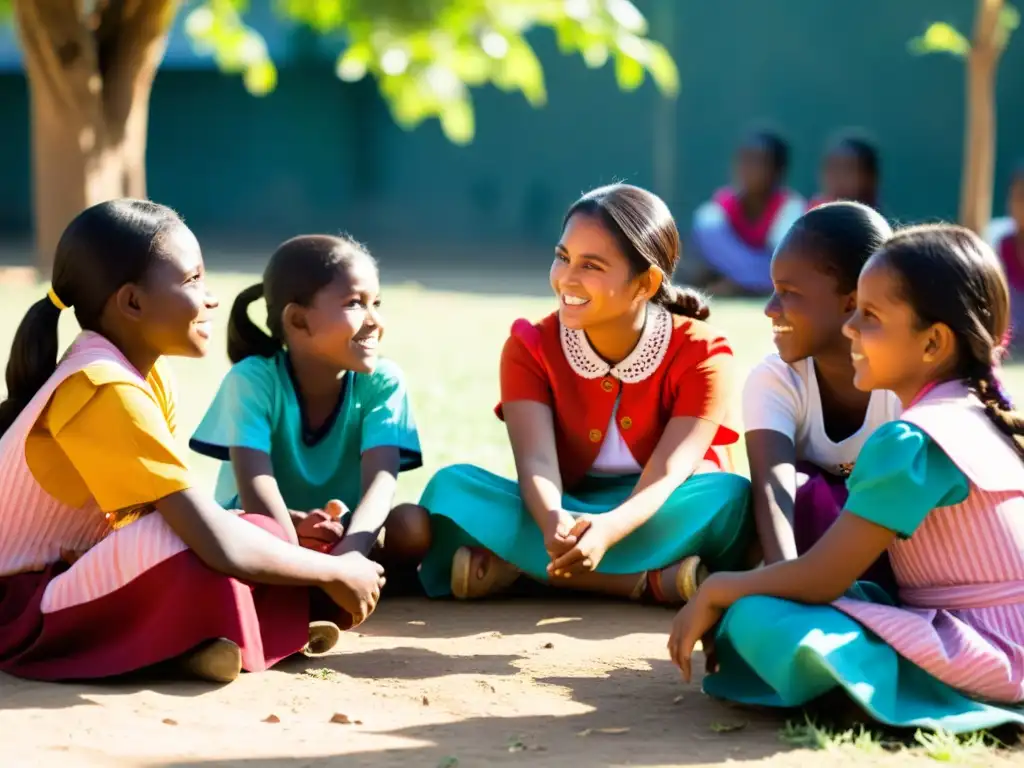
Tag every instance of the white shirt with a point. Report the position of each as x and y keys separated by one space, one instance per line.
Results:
x=785 y=398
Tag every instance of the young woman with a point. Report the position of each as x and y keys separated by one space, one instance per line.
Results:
x=941 y=490
x=616 y=407
x=110 y=558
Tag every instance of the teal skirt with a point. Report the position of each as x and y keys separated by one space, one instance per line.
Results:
x=776 y=653
x=708 y=515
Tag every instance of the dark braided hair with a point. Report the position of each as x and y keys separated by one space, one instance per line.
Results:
x=950 y=275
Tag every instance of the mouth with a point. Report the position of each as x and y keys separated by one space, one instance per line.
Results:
x=779 y=330
x=569 y=300
x=368 y=343
x=204 y=329
x=856 y=357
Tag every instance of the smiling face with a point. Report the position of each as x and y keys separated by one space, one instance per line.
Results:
x=592 y=278
x=171 y=307
x=342 y=326
x=888 y=347
x=807 y=309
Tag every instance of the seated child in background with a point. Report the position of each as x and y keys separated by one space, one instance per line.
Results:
x=850 y=170
x=805 y=420
x=941 y=490
x=736 y=232
x=309 y=419
x=1006 y=235
x=616 y=406
x=110 y=559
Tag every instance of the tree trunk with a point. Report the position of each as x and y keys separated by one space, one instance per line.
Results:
x=978 y=173
x=90 y=76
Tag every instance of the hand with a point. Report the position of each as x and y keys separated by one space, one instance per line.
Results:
x=321 y=530
x=562 y=536
x=356 y=588
x=694 y=621
x=593 y=540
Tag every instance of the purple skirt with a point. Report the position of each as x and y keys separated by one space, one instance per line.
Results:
x=819 y=501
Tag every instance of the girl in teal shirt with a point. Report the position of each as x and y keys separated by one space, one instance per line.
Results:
x=313 y=427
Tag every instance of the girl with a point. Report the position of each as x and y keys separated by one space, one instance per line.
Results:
x=309 y=418
x=737 y=231
x=942 y=490
x=613 y=406
x=1007 y=237
x=110 y=559
x=850 y=170
x=805 y=420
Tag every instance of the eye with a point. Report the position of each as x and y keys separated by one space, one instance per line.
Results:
x=377 y=303
x=353 y=303
x=192 y=279
x=559 y=256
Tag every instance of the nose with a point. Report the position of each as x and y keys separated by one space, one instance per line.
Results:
x=771 y=308
x=212 y=302
x=852 y=326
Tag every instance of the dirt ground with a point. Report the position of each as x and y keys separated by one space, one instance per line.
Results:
x=519 y=682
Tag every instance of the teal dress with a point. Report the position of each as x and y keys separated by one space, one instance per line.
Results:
x=259 y=407
x=777 y=653
x=708 y=515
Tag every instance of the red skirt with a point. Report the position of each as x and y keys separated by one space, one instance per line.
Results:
x=118 y=617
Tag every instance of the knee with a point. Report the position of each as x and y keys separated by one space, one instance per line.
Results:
x=407 y=533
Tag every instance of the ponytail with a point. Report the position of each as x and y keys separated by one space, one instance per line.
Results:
x=998 y=407
x=32 y=361
x=682 y=301
x=245 y=339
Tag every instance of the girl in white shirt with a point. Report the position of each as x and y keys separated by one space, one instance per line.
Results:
x=805 y=421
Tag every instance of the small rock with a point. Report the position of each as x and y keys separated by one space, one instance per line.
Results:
x=340 y=719
x=169 y=721
x=678 y=699
x=272 y=719
x=426 y=702
x=549 y=645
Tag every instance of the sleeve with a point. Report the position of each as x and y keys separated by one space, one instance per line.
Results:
x=900 y=476
x=241 y=414
x=522 y=375
x=770 y=401
x=387 y=415
x=119 y=442
x=705 y=389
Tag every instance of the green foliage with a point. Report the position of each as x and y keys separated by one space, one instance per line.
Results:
x=426 y=55
x=941 y=37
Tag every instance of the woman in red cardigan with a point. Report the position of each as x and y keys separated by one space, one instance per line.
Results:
x=617 y=407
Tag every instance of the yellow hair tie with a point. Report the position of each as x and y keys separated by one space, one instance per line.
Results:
x=52 y=295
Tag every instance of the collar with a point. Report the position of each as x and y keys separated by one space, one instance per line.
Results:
x=638 y=365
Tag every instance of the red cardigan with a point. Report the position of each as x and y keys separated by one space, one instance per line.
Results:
x=693 y=379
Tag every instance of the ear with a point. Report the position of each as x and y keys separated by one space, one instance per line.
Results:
x=129 y=300
x=294 y=319
x=650 y=283
x=940 y=344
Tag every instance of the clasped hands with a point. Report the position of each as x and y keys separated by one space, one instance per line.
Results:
x=577 y=545
x=320 y=529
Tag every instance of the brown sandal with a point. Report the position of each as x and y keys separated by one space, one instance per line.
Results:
x=498 y=575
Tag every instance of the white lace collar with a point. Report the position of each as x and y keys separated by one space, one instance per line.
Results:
x=639 y=364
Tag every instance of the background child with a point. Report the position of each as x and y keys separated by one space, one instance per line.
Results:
x=613 y=405
x=1006 y=234
x=850 y=170
x=736 y=232
x=110 y=559
x=309 y=417
x=805 y=420
x=942 y=490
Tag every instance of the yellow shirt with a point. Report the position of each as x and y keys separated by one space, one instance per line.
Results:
x=106 y=436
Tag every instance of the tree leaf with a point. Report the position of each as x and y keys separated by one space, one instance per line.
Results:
x=1009 y=20
x=663 y=69
x=457 y=121
x=629 y=73
x=941 y=37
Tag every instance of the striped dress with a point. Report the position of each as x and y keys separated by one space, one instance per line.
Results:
x=137 y=595
x=950 y=654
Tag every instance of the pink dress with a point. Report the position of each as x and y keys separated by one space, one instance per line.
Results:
x=137 y=596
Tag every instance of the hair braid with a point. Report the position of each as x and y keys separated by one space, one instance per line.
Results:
x=999 y=408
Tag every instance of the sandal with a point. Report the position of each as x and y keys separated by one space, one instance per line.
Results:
x=498 y=575
x=323 y=636
x=218 y=661
x=690 y=575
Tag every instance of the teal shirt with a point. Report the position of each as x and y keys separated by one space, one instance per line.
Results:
x=258 y=407
x=900 y=476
